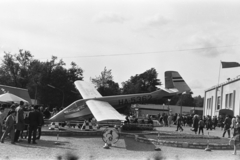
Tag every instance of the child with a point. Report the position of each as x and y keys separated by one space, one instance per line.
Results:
x=9 y=127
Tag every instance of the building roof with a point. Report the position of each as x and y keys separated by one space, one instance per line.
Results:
x=224 y=83
x=20 y=92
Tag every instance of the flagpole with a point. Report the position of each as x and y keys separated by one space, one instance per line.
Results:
x=219 y=72
x=216 y=93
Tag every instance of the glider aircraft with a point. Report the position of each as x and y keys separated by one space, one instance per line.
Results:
x=104 y=108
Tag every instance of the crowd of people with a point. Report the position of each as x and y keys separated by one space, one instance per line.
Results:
x=16 y=123
x=198 y=123
x=22 y=119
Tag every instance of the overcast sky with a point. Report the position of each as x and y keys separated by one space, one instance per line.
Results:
x=128 y=36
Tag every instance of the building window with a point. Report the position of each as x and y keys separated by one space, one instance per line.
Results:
x=208 y=104
x=234 y=99
x=226 y=101
x=230 y=100
x=218 y=102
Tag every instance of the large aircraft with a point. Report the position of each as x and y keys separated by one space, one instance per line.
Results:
x=104 y=108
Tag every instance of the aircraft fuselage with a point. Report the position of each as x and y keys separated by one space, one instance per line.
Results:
x=79 y=109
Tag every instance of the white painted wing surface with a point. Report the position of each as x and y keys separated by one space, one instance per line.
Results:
x=104 y=111
x=87 y=90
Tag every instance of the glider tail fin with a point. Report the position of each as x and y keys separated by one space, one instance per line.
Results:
x=173 y=80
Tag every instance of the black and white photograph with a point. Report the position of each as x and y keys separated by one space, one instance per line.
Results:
x=119 y=79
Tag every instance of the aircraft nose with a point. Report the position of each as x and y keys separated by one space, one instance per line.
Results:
x=59 y=117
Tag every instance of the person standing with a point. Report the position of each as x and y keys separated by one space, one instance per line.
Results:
x=201 y=126
x=1 y=120
x=34 y=121
x=12 y=108
x=236 y=135
x=179 y=122
x=227 y=125
x=233 y=125
x=195 y=124
x=169 y=120
x=41 y=122
x=47 y=113
x=209 y=123
x=20 y=124
x=9 y=127
x=220 y=122
x=214 y=122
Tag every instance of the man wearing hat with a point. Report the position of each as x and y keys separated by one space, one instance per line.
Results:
x=9 y=127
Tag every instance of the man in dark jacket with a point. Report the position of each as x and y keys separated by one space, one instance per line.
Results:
x=41 y=122
x=227 y=124
x=195 y=123
x=34 y=121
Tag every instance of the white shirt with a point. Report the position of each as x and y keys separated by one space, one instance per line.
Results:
x=234 y=122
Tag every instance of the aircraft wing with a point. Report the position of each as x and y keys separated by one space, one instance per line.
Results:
x=104 y=111
x=87 y=90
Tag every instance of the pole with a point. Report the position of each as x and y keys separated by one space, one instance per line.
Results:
x=219 y=72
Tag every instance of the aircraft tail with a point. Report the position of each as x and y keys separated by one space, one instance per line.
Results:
x=173 y=80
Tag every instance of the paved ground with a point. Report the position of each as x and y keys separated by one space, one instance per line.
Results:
x=217 y=132
x=92 y=148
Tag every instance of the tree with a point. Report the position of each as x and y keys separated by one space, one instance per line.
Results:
x=105 y=84
x=101 y=80
x=141 y=83
x=22 y=70
x=185 y=100
x=62 y=79
x=15 y=68
x=198 y=101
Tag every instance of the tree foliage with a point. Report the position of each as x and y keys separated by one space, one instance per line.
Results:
x=22 y=70
x=185 y=100
x=198 y=101
x=141 y=83
x=105 y=84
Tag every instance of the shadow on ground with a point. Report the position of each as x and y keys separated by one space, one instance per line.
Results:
x=133 y=145
x=45 y=144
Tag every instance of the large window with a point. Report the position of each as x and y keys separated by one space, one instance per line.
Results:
x=226 y=101
x=218 y=102
x=230 y=100
x=209 y=103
